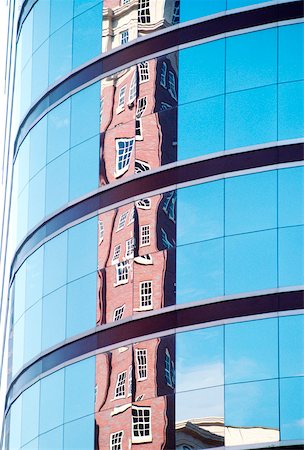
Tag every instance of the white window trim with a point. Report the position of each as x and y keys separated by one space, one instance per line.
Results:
x=141 y=205
x=121 y=99
x=142 y=439
x=129 y=245
x=147 y=227
x=144 y=70
x=100 y=231
x=120 y=383
x=123 y=264
x=116 y=254
x=122 y=220
x=143 y=307
x=118 y=312
x=124 y=37
x=130 y=381
x=138 y=365
x=133 y=88
x=131 y=216
x=118 y=445
x=119 y=172
x=138 y=127
x=144 y=12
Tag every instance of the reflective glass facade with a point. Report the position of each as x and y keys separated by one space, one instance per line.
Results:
x=123 y=327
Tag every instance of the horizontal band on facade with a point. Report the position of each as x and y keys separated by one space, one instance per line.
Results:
x=143 y=48
x=161 y=321
x=147 y=182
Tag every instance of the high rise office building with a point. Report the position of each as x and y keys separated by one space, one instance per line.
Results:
x=156 y=226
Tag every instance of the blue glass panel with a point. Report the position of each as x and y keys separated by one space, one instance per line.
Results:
x=251 y=262
x=58 y=130
x=291 y=63
x=200 y=403
x=34 y=277
x=241 y=3
x=87 y=40
x=57 y=183
x=26 y=84
x=33 y=445
x=85 y=114
x=251 y=351
x=291 y=261
x=193 y=9
x=61 y=12
x=51 y=401
x=253 y=405
x=251 y=60
x=53 y=318
x=41 y=21
x=199 y=272
x=52 y=440
x=84 y=167
x=291 y=186
x=19 y=292
x=26 y=39
x=38 y=146
x=79 y=435
x=82 y=249
x=40 y=70
x=15 y=424
x=81 y=305
x=23 y=169
x=55 y=263
x=291 y=345
x=60 y=62
x=199 y=359
x=291 y=408
x=18 y=345
x=251 y=117
x=32 y=333
x=200 y=212
x=30 y=413
x=205 y=134
x=36 y=199
x=291 y=110
x=82 y=5
x=251 y=202
x=22 y=214
x=201 y=71
x=79 y=396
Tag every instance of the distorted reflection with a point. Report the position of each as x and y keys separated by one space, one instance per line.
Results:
x=126 y=20
x=133 y=403
x=138 y=119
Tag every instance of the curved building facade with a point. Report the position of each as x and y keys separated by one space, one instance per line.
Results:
x=157 y=216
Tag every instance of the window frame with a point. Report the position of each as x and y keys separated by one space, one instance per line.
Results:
x=118 y=313
x=146 y=298
x=141 y=438
x=144 y=71
x=124 y=36
x=120 y=387
x=145 y=237
x=121 y=99
x=116 y=445
x=140 y=366
x=129 y=143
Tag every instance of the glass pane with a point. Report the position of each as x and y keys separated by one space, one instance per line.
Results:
x=291 y=110
x=241 y=3
x=79 y=389
x=18 y=345
x=82 y=249
x=251 y=202
x=15 y=424
x=33 y=445
x=84 y=168
x=82 y=5
x=22 y=214
x=81 y=305
x=30 y=413
x=197 y=80
x=26 y=38
x=87 y=40
x=200 y=271
x=200 y=212
x=193 y=9
x=85 y=114
x=291 y=63
x=36 y=199
x=26 y=84
x=38 y=146
x=19 y=292
x=55 y=263
x=51 y=401
x=52 y=440
x=61 y=12
x=23 y=157
x=291 y=261
x=60 y=62
x=251 y=351
x=291 y=408
x=32 y=334
x=199 y=359
x=291 y=345
x=40 y=70
x=79 y=435
x=53 y=318
x=291 y=186
x=57 y=183
x=34 y=277
x=251 y=413
x=41 y=22
x=205 y=134
x=251 y=60
x=59 y=122
x=251 y=262
x=251 y=117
